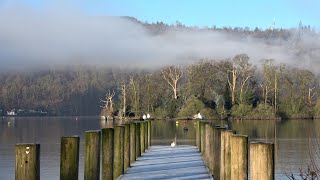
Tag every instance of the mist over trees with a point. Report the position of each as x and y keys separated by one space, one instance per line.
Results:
x=237 y=86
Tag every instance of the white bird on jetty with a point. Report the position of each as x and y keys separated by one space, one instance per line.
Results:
x=144 y=117
x=173 y=144
x=148 y=116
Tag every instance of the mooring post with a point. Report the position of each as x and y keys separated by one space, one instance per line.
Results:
x=225 y=160
x=217 y=151
x=92 y=155
x=126 y=147
x=149 y=133
x=261 y=161
x=107 y=138
x=27 y=162
x=202 y=137
x=118 y=154
x=132 y=142
x=209 y=147
x=198 y=140
x=138 y=147
x=145 y=135
x=239 y=157
x=142 y=139
x=69 y=158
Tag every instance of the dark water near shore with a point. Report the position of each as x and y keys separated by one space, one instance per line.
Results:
x=292 y=139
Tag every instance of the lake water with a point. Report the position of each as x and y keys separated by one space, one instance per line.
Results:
x=292 y=139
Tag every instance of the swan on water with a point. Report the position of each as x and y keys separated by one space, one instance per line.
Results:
x=144 y=117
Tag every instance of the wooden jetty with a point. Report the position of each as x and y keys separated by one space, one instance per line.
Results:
x=166 y=162
x=126 y=153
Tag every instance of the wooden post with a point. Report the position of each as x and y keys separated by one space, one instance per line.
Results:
x=217 y=151
x=142 y=139
x=198 y=140
x=149 y=133
x=69 y=158
x=225 y=157
x=202 y=137
x=145 y=135
x=209 y=147
x=261 y=161
x=92 y=155
x=132 y=142
x=107 y=138
x=126 y=147
x=239 y=157
x=118 y=152
x=138 y=146
x=27 y=162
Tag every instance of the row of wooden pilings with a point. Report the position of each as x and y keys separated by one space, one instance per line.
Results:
x=119 y=147
x=226 y=154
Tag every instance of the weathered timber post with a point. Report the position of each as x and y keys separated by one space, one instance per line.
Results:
x=107 y=138
x=145 y=135
x=198 y=140
x=138 y=146
x=69 y=158
x=261 y=161
x=126 y=158
x=118 y=152
x=149 y=133
x=27 y=162
x=92 y=155
x=132 y=142
x=202 y=137
x=239 y=157
x=142 y=139
x=209 y=147
x=225 y=157
x=217 y=151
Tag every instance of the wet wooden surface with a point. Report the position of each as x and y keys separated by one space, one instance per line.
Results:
x=166 y=162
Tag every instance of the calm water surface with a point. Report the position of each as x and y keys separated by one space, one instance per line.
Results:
x=292 y=139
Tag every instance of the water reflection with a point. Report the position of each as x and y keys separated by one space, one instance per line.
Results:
x=291 y=139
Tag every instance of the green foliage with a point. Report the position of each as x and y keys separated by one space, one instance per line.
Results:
x=191 y=107
x=241 y=111
x=317 y=109
x=160 y=113
x=263 y=111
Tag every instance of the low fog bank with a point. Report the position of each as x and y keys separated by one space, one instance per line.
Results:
x=32 y=39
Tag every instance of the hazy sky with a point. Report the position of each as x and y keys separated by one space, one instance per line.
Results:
x=42 y=33
x=241 y=13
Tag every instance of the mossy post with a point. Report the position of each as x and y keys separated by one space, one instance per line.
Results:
x=27 y=162
x=92 y=155
x=209 y=147
x=198 y=135
x=149 y=133
x=225 y=157
x=145 y=135
x=126 y=158
x=261 y=161
x=217 y=151
x=142 y=139
x=69 y=158
x=239 y=157
x=132 y=143
x=118 y=153
x=138 y=147
x=107 y=144
x=202 y=137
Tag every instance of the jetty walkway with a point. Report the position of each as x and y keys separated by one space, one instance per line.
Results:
x=166 y=162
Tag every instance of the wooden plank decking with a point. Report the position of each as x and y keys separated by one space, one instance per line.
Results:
x=165 y=162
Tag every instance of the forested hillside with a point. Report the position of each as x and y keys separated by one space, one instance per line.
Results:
x=236 y=86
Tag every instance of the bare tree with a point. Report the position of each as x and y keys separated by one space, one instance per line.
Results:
x=124 y=93
x=108 y=107
x=172 y=75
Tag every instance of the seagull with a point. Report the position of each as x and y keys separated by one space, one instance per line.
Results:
x=144 y=117
x=198 y=116
x=148 y=116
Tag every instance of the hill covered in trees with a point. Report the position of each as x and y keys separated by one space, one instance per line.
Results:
x=238 y=85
